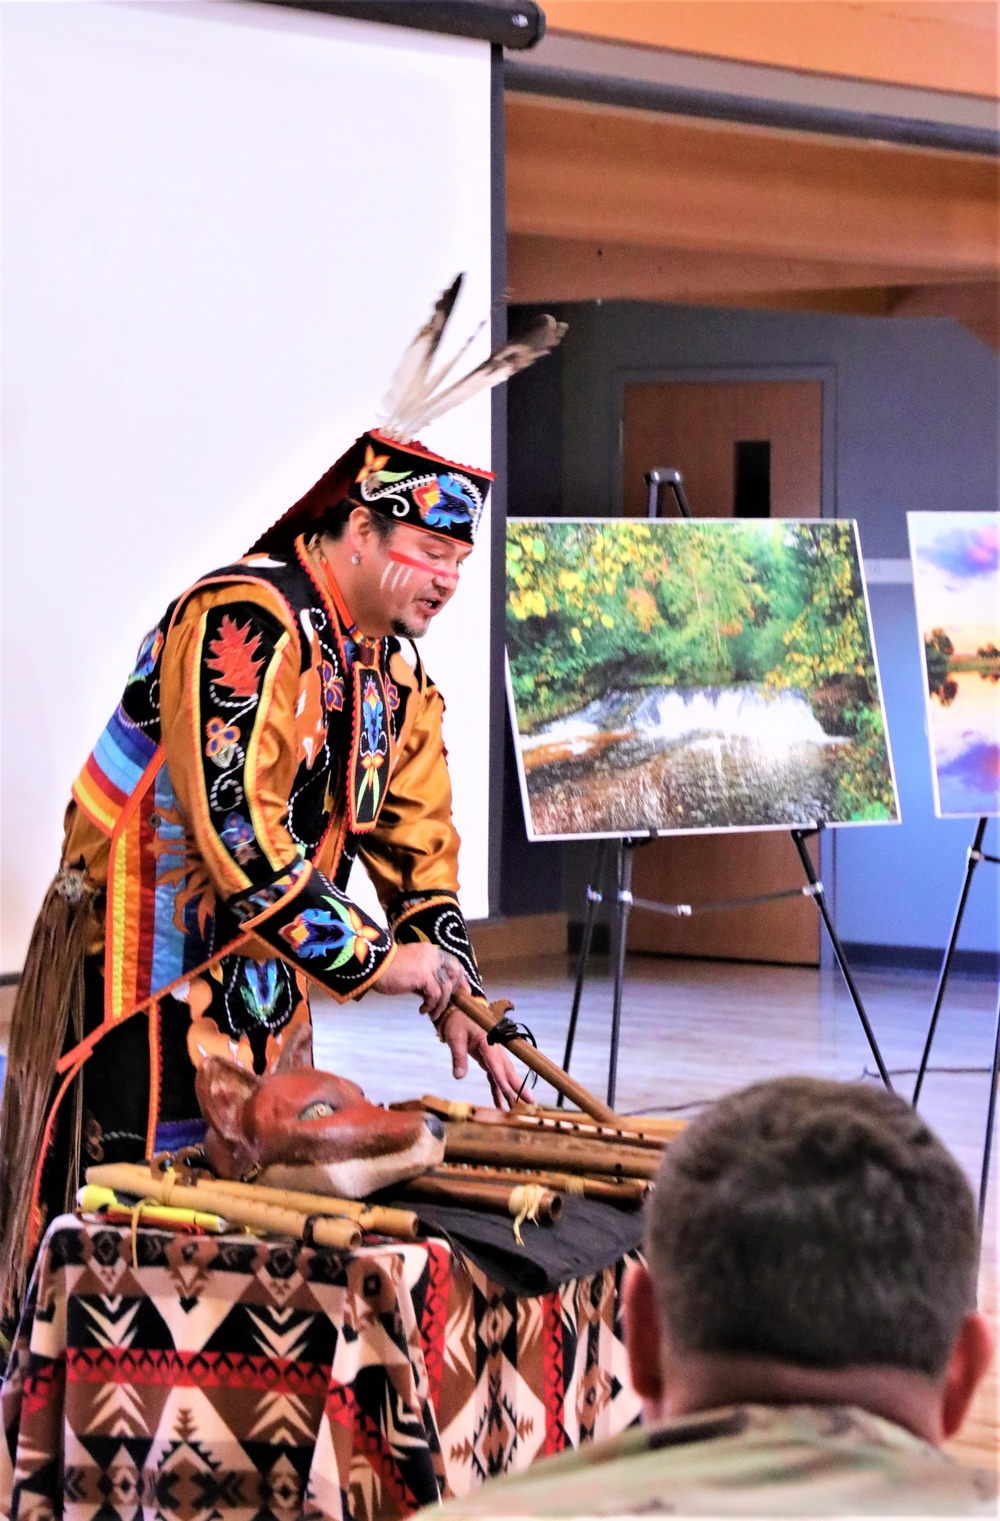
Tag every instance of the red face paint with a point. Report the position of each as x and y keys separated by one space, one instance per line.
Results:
x=431 y=570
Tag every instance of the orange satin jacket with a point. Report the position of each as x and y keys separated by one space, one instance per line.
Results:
x=257 y=749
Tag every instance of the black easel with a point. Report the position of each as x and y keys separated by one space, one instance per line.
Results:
x=975 y=855
x=624 y=901
x=624 y=855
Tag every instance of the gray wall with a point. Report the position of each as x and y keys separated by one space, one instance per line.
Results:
x=912 y=422
x=532 y=876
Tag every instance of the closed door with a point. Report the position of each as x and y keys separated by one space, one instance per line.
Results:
x=751 y=449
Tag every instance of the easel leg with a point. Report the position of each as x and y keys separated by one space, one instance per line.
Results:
x=626 y=852
x=974 y=857
x=594 y=897
x=819 y=895
x=990 y=1117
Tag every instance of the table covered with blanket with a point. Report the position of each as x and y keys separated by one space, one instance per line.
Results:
x=231 y=1377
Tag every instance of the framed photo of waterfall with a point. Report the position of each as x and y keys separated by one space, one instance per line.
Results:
x=693 y=675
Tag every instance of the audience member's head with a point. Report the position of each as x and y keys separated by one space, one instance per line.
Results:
x=812 y=1242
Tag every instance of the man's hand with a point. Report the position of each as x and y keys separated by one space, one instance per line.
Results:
x=464 y=1038
x=427 y=970
x=436 y=975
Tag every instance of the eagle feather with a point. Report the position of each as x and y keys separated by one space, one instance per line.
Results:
x=416 y=398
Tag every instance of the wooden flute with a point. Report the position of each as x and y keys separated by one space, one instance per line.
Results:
x=561 y=1081
x=168 y=1188
x=556 y=1121
x=656 y=1127
x=538 y=1203
x=626 y=1193
x=503 y=1146
x=399 y=1223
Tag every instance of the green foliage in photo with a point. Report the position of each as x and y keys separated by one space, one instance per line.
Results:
x=597 y=607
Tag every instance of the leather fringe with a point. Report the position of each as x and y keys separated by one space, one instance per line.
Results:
x=48 y=1017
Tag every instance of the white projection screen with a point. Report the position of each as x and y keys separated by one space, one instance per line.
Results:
x=222 y=223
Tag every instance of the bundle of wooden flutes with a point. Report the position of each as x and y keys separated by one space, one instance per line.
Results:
x=265 y=1211
x=523 y=1162
x=519 y=1164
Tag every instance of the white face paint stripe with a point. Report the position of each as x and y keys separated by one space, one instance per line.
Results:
x=384 y=574
x=437 y=571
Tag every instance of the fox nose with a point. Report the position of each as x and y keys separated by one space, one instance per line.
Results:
x=435 y=1126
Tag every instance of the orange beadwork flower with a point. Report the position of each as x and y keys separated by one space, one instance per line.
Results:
x=372 y=465
x=364 y=934
x=220 y=741
x=315 y=932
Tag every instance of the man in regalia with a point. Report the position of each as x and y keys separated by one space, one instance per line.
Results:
x=278 y=725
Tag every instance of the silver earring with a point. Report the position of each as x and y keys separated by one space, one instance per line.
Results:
x=355 y=558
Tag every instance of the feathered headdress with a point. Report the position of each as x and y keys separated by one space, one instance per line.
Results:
x=389 y=472
x=416 y=397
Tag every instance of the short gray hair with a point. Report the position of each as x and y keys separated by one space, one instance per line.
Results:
x=819 y=1223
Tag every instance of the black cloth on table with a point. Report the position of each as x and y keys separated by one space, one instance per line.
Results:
x=587 y=1237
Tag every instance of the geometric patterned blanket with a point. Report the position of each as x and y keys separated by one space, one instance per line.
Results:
x=230 y=1378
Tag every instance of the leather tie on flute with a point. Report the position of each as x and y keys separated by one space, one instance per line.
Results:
x=401 y=1223
x=509 y=1146
x=475 y=1193
x=525 y=1052
x=168 y=1188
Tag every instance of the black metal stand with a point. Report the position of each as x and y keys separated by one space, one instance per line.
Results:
x=624 y=901
x=984 y=1177
x=594 y=897
x=663 y=477
x=972 y=860
x=819 y=897
x=975 y=855
x=623 y=906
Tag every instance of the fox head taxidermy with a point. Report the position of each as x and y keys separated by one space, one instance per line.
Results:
x=297 y=1127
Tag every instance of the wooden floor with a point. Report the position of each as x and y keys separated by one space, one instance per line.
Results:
x=692 y=1030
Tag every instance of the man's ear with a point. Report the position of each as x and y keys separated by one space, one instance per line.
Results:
x=970 y=1358
x=643 y=1333
x=359 y=525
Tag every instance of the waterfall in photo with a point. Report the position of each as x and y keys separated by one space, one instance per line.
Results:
x=665 y=758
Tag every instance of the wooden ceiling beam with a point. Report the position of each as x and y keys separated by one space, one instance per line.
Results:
x=927 y=43
x=977 y=307
x=591 y=174
x=565 y=269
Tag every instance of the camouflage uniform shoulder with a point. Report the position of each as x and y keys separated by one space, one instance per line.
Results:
x=747 y=1460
